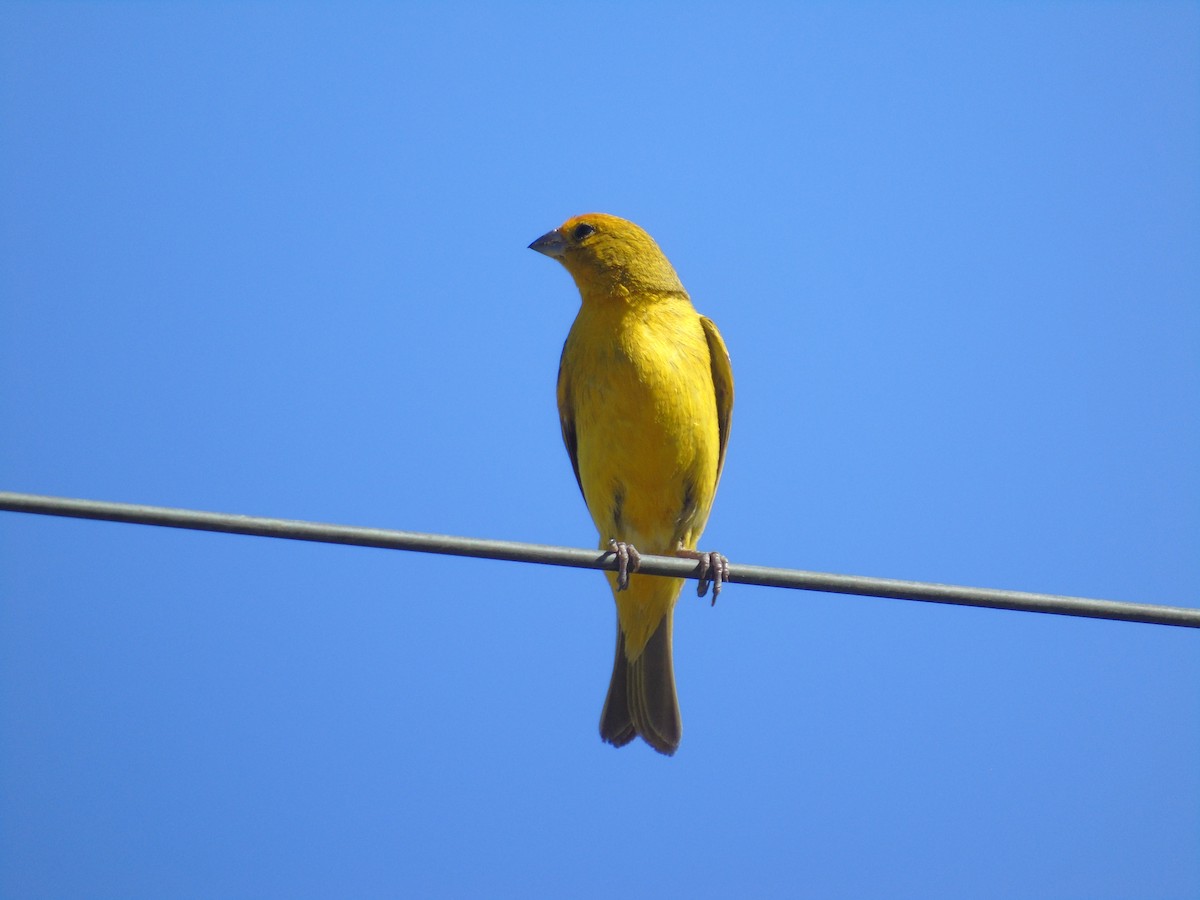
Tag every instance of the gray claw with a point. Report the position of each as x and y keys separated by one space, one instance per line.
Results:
x=715 y=568
x=628 y=560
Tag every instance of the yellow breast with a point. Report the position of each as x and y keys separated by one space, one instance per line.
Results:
x=639 y=381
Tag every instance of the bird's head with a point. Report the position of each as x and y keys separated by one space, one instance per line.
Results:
x=607 y=255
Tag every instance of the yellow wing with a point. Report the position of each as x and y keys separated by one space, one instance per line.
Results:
x=722 y=375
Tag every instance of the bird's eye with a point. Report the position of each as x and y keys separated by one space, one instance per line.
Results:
x=581 y=231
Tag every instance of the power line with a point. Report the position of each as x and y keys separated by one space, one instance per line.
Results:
x=590 y=559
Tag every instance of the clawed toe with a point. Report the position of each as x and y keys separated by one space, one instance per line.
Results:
x=628 y=560
x=714 y=568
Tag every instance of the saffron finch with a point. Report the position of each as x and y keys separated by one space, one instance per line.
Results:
x=645 y=395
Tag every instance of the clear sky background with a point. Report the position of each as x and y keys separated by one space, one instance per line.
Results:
x=270 y=259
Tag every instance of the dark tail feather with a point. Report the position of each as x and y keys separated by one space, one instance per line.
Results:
x=641 y=696
x=616 y=725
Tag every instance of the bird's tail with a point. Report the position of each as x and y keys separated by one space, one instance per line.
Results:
x=641 y=696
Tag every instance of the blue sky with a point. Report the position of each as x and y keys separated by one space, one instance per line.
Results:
x=271 y=260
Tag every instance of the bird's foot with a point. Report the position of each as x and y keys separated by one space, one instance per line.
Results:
x=628 y=560
x=713 y=567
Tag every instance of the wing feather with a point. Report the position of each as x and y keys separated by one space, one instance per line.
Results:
x=722 y=375
x=566 y=418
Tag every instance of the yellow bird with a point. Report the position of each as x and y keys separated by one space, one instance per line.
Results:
x=645 y=395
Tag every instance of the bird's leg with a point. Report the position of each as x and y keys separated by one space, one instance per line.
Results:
x=628 y=560
x=713 y=567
